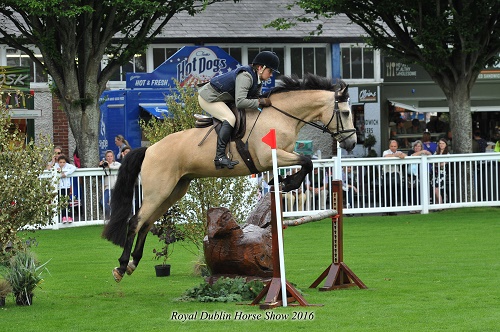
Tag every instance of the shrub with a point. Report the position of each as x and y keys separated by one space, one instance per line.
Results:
x=26 y=200
x=224 y=290
x=237 y=194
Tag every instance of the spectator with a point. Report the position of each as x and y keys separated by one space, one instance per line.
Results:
x=53 y=161
x=401 y=130
x=296 y=197
x=76 y=158
x=120 y=142
x=416 y=127
x=318 y=187
x=439 y=177
x=427 y=143
x=348 y=186
x=126 y=149
x=393 y=179
x=64 y=168
x=109 y=165
x=414 y=173
x=435 y=125
x=479 y=144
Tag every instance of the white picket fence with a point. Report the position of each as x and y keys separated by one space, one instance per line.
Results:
x=469 y=180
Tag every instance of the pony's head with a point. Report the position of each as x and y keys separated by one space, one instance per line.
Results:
x=334 y=110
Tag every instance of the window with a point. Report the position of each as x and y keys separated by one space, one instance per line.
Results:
x=17 y=58
x=134 y=65
x=160 y=54
x=357 y=63
x=308 y=60
x=235 y=52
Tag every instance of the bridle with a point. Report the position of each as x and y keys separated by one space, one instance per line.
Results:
x=340 y=135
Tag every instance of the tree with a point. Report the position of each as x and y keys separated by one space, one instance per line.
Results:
x=73 y=37
x=452 y=40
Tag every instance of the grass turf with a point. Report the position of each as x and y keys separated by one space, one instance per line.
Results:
x=435 y=272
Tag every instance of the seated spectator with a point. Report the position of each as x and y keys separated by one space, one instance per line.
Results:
x=393 y=178
x=318 y=186
x=416 y=127
x=348 y=186
x=296 y=198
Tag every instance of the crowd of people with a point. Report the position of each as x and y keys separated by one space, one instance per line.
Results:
x=110 y=164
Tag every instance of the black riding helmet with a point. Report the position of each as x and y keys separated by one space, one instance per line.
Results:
x=268 y=59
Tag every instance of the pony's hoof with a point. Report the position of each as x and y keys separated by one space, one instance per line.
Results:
x=117 y=275
x=131 y=267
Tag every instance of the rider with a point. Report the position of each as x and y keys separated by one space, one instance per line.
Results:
x=242 y=86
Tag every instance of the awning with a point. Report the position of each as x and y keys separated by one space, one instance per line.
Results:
x=157 y=110
x=412 y=105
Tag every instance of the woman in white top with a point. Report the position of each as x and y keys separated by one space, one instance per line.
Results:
x=110 y=167
x=64 y=168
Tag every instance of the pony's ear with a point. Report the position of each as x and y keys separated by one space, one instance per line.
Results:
x=345 y=90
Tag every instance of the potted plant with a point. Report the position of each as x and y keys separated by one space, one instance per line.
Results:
x=369 y=142
x=5 y=290
x=24 y=274
x=167 y=233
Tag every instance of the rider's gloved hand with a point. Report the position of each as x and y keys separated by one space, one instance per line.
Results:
x=264 y=102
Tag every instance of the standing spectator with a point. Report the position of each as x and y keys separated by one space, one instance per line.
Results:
x=414 y=173
x=126 y=149
x=318 y=187
x=393 y=176
x=64 y=168
x=53 y=161
x=76 y=158
x=427 y=143
x=110 y=167
x=479 y=144
x=439 y=179
x=120 y=142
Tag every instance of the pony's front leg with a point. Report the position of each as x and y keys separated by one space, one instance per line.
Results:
x=294 y=181
x=118 y=272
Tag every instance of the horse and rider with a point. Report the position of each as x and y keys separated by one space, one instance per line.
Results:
x=243 y=86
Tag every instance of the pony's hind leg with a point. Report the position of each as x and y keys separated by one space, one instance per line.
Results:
x=138 y=249
x=118 y=272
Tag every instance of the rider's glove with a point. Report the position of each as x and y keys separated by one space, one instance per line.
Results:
x=264 y=102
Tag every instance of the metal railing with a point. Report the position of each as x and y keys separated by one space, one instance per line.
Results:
x=383 y=185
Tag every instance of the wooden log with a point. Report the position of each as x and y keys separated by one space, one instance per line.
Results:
x=304 y=220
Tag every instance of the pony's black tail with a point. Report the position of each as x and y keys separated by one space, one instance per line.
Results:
x=122 y=197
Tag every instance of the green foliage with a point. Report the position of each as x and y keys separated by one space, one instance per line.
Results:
x=26 y=201
x=24 y=274
x=167 y=233
x=224 y=290
x=5 y=288
x=369 y=142
x=236 y=194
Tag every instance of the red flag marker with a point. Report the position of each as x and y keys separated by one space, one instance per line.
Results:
x=270 y=138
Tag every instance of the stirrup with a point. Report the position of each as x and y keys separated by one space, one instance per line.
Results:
x=225 y=162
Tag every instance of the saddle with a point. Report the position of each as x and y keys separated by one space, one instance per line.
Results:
x=204 y=121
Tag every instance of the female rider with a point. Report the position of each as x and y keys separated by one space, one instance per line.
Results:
x=241 y=86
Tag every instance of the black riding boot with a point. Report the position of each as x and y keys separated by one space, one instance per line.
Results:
x=221 y=160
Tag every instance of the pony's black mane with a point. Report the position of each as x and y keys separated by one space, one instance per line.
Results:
x=310 y=82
